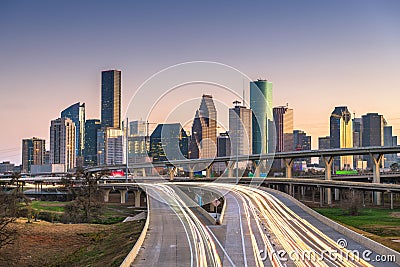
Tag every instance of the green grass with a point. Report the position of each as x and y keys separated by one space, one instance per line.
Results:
x=52 y=206
x=368 y=217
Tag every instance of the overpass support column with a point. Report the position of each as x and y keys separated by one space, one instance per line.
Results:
x=391 y=200
x=144 y=172
x=171 y=171
x=376 y=162
x=135 y=172
x=191 y=173
x=106 y=194
x=122 y=194
x=257 y=167
x=328 y=160
x=137 y=198
x=209 y=170
x=230 y=165
x=289 y=166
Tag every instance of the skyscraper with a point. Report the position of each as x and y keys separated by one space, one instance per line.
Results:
x=283 y=118
x=203 y=143
x=357 y=140
x=389 y=140
x=76 y=113
x=301 y=141
x=168 y=142
x=62 y=143
x=372 y=132
x=90 y=151
x=341 y=136
x=111 y=98
x=324 y=142
x=138 y=142
x=33 y=151
x=261 y=105
x=240 y=129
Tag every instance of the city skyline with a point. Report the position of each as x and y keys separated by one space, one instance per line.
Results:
x=336 y=62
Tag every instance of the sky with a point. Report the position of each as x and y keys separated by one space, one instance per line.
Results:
x=317 y=54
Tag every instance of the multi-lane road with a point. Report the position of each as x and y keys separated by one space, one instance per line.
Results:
x=259 y=228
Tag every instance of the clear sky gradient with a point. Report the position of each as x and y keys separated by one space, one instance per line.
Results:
x=318 y=54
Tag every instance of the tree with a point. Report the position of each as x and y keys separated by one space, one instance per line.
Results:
x=87 y=205
x=9 y=209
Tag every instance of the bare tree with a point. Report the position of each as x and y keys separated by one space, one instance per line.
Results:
x=9 y=208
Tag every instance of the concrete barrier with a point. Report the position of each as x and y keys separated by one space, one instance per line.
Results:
x=135 y=250
x=220 y=220
x=365 y=241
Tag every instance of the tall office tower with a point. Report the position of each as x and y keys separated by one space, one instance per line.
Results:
x=372 y=132
x=357 y=141
x=76 y=113
x=90 y=151
x=341 y=136
x=168 y=142
x=389 y=140
x=110 y=150
x=138 y=142
x=33 y=151
x=240 y=129
x=62 y=143
x=283 y=118
x=261 y=105
x=137 y=128
x=111 y=98
x=203 y=143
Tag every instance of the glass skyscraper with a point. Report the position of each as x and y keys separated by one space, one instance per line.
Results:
x=261 y=105
x=111 y=98
x=90 y=151
x=76 y=113
x=33 y=151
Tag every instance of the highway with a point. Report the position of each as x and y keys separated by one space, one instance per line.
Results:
x=258 y=230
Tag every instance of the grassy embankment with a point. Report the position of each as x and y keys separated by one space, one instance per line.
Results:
x=381 y=225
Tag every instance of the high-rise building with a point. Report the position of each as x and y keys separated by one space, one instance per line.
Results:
x=261 y=105
x=324 y=142
x=111 y=98
x=168 y=142
x=301 y=141
x=357 y=140
x=389 y=140
x=223 y=145
x=240 y=129
x=90 y=151
x=283 y=118
x=341 y=136
x=76 y=113
x=33 y=151
x=110 y=149
x=62 y=143
x=372 y=133
x=203 y=143
x=138 y=142
x=6 y=167
x=137 y=128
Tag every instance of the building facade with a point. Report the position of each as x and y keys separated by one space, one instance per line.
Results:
x=261 y=105
x=341 y=136
x=111 y=98
x=240 y=129
x=283 y=118
x=76 y=113
x=62 y=143
x=169 y=142
x=33 y=152
x=203 y=143
x=90 y=151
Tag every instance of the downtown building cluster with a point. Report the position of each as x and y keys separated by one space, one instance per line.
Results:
x=258 y=129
